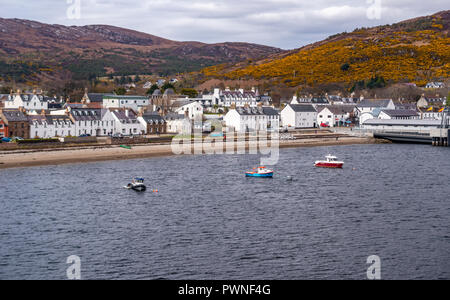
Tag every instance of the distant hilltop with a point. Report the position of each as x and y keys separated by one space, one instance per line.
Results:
x=31 y=51
x=415 y=51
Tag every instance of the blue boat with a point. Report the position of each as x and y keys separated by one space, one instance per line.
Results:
x=261 y=172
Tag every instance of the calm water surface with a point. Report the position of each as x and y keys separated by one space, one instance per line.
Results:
x=210 y=222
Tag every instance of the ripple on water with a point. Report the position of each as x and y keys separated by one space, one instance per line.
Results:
x=210 y=222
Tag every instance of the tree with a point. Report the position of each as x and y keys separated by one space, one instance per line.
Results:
x=167 y=86
x=120 y=91
x=152 y=89
x=191 y=93
x=137 y=79
x=345 y=67
x=448 y=100
x=5 y=90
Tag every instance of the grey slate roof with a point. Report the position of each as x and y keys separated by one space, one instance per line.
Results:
x=94 y=97
x=249 y=111
x=14 y=115
x=374 y=103
x=153 y=118
x=319 y=100
x=169 y=92
x=302 y=107
x=339 y=109
x=86 y=114
x=171 y=117
x=269 y=111
x=50 y=119
x=157 y=93
x=181 y=103
x=400 y=112
x=123 y=117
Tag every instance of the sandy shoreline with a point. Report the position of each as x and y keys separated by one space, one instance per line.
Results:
x=57 y=157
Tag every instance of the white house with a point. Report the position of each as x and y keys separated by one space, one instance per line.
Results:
x=92 y=121
x=299 y=116
x=27 y=101
x=428 y=101
x=127 y=123
x=431 y=114
x=178 y=124
x=252 y=119
x=50 y=126
x=192 y=109
x=129 y=102
x=435 y=85
x=153 y=123
x=147 y=85
x=335 y=115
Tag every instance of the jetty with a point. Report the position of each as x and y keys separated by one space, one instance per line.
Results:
x=432 y=132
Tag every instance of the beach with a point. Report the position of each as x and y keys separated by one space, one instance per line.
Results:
x=18 y=159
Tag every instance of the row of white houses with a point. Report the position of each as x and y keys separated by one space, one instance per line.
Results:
x=104 y=122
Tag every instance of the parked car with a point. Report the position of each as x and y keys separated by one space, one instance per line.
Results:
x=84 y=135
x=324 y=125
x=117 y=136
x=16 y=138
x=6 y=140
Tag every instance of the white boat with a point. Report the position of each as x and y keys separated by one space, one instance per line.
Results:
x=137 y=185
x=330 y=162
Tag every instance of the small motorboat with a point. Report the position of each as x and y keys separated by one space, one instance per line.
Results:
x=137 y=185
x=330 y=162
x=262 y=172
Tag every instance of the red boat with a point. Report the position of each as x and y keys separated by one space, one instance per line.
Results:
x=330 y=162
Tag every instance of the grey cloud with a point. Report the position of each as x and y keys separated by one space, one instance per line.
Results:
x=281 y=23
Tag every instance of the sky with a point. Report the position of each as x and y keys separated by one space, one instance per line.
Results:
x=286 y=24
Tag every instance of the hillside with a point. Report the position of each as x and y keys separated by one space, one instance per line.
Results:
x=416 y=50
x=31 y=50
